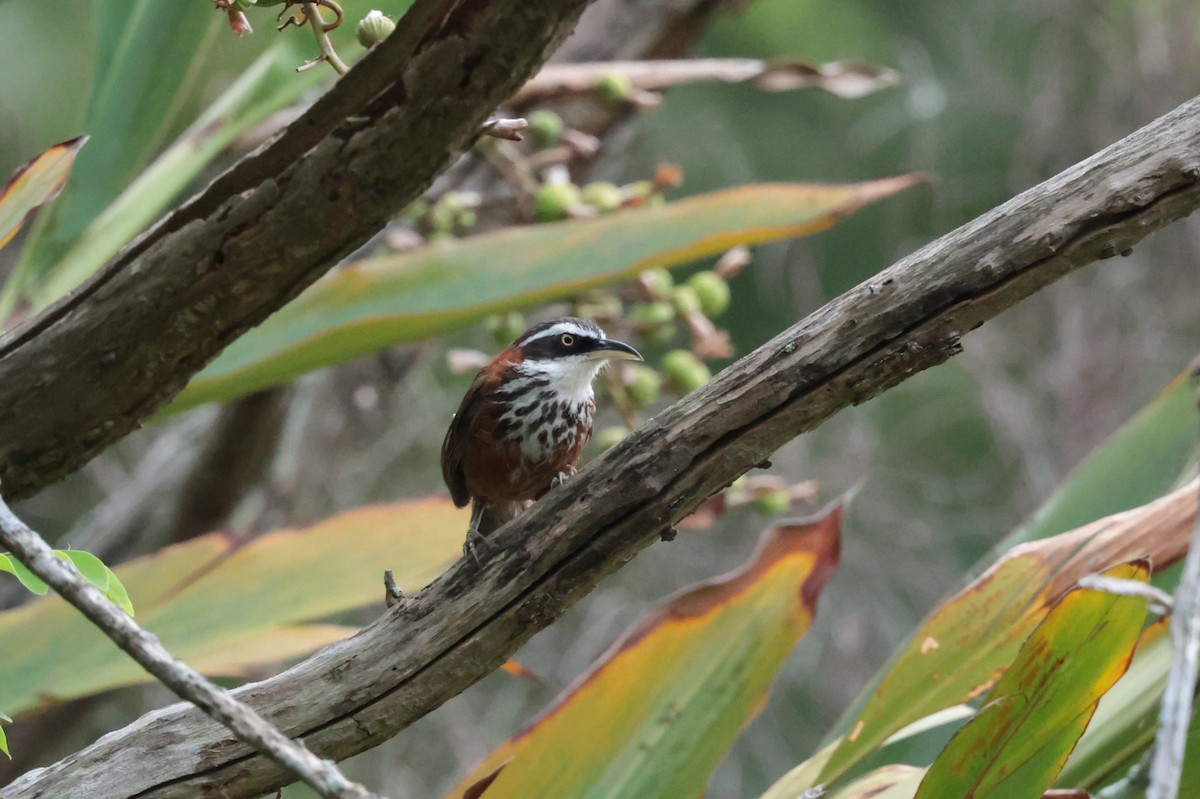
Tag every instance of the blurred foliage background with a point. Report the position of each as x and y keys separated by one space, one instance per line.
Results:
x=995 y=97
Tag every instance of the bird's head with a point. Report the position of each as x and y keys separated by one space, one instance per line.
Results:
x=569 y=353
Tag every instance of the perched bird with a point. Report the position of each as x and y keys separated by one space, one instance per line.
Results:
x=524 y=421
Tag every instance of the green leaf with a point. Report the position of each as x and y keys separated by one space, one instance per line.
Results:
x=229 y=607
x=887 y=782
x=90 y=566
x=987 y=621
x=34 y=184
x=969 y=641
x=27 y=578
x=99 y=575
x=660 y=710
x=1020 y=739
x=4 y=738
x=266 y=86
x=385 y=301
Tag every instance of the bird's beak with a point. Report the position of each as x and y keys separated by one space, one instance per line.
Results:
x=609 y=350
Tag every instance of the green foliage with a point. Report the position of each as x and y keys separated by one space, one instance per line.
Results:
x=90 y=567
x=3 y=737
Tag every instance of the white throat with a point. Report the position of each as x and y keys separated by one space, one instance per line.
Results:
x=570 y=378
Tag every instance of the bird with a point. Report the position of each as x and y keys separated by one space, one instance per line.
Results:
x=524 y=421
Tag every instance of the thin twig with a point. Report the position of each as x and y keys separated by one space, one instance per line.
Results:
x=29 y=548
x=312 y=12
x=1166 y=768
x=1160 y=601
x=508 y=129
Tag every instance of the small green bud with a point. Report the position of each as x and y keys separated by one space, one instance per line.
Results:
x=553 y=201
x=773 y=503
x=374 y=28
x=712 y=291
x=545 y=128
x=609 y=437
x=686 y=300
x=441 y=218
x=661 y=335
x=685 y=372
x=505 y=327
x=604 y=197
x=658 y=280
x=644 y=385
x=614 y=88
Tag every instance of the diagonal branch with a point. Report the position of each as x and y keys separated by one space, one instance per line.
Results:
x=89 y=369
x=357 y=693
x=322 y=775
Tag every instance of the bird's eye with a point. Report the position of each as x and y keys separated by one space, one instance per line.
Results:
x=567 y=340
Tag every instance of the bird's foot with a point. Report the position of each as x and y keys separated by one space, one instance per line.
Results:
x=562 y=477
x=475 y=541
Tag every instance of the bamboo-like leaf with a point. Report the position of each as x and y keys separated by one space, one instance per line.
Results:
x=888 y=782
x=655 y=715
x=390 y=300
x=228 y=607
x=968 y=642
x=35 y=184
x=1139 y=463
x=266 y=86
x=1040 y=707
x=151 y=60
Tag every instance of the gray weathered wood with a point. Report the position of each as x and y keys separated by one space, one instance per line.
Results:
x=355 y=694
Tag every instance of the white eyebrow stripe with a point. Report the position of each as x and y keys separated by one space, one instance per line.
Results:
x=558 y=330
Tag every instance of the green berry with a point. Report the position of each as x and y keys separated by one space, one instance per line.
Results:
x=686 y=300
x=609 y=437
x=614 y=88
x=374 y=28
x=649 y=314
x=545 y=128
x=553 y=201
x=604 y=197
x=659 y=281
x=644 y=385
x=685 y=372
x=773 y=503
x=712 y=291
x=464 y=220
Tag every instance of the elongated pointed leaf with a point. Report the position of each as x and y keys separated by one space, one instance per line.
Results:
x=446 y=285
x=151 y=59
x=654 y=717
x=1019 y=741
x=35 y=184
x=888 y=782
x=968 y=642
x=227 y=607
x=263 y=88
x=3 y=738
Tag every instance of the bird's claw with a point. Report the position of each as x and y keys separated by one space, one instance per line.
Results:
x=475 y=541
x=561 y=478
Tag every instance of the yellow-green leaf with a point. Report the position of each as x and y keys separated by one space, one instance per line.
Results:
x=896 y=781
x=967 y=643
x=3 y=738
x=1019 y=741
x=228 y=606
x=34 y=184
x=653 y=718
x=449 y=284
x=90 y=567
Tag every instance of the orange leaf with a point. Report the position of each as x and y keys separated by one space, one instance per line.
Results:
x=36 y=183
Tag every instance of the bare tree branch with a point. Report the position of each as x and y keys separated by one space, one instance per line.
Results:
x=1166 y=765
x=91 y=367
x=357 y=693
x=322 y=775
